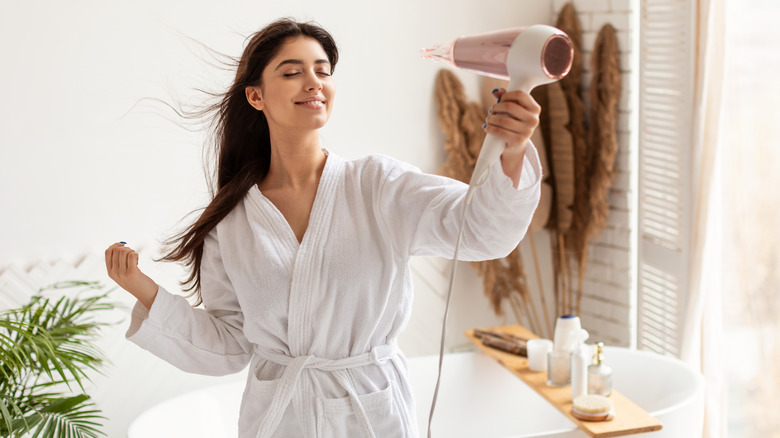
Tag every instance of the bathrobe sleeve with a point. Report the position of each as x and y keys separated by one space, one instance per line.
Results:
x=422 y=212
x=204 y=341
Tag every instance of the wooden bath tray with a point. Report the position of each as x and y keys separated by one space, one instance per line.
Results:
x=629 y=417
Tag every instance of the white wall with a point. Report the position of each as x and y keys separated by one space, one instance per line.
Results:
x=82 y=167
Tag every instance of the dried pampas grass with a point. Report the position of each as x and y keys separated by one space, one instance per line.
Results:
x=562 y=156
x=561 y=146
x=461 y=123
x=575 y=236
x=581 y=153
x=504 y=281
x=605 y=92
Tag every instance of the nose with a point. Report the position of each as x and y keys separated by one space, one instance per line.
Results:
x=313 y=82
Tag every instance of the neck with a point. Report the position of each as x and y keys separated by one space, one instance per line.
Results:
x=296 y=162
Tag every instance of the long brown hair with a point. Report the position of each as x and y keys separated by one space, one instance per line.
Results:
x=241 y=141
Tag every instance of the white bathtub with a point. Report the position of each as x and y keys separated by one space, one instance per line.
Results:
x=478 y=398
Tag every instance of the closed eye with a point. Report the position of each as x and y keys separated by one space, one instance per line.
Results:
x=321 y=73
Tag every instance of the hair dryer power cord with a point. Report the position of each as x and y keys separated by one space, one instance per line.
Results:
x=467 y=200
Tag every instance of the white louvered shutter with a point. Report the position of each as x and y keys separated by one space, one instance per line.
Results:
x=667 y=66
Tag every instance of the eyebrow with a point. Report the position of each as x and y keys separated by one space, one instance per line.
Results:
x=299 y=62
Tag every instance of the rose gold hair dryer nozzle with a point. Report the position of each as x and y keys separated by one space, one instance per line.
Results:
x=526 y=56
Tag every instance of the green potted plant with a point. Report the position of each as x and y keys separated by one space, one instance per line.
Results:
x=47 y=347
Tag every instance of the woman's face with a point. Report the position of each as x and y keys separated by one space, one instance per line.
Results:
x=297 y=89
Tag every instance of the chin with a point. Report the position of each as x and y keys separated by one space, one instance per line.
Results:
x=320 y=123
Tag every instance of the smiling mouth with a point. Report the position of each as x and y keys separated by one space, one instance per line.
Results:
x=313 y=104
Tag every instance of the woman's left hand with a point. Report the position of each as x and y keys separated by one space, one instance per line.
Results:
x=513 y=119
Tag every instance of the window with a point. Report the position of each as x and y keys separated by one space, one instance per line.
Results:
x=750 y=208
x=751 y=215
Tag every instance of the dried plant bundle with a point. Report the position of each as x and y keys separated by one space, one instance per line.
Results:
x=605 y=92
x=583 y=161
x=575 y=236
x=454 y=111
x=562 y=156
x=506 y=282
x=604 y=96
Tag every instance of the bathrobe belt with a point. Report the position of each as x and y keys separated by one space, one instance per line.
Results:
x=378 y=355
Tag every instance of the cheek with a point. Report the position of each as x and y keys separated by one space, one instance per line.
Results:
x=274 y=99
x=331 y=93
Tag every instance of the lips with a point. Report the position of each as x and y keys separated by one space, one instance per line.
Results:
x=312 y=103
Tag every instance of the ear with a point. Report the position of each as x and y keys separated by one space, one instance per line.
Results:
x=254 y=98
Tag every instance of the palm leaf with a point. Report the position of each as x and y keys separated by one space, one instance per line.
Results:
x=44 y=344
x=64 y=417
x=10 y=411
x=29 y=347
x=54 y=337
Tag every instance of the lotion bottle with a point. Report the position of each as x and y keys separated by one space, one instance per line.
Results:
x=579 y=370
x=599 y=374
x=578 y=367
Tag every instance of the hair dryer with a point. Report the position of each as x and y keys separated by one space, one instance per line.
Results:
x=526 y=56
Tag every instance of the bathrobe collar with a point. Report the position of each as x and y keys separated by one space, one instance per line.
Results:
x=322 y=199
x=302 y=256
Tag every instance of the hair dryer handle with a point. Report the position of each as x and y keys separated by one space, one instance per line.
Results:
x=492 y=148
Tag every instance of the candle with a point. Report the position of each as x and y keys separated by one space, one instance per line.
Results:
x=537 y=353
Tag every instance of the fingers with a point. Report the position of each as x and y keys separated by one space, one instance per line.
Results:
x=518 y=105
x=120 y=260
x=122 y=267
x=498 y=92
x=132 y=261
x=514 y=117
x=112 y=258
x=518 y=96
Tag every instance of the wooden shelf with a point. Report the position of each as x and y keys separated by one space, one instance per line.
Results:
x=629 y=417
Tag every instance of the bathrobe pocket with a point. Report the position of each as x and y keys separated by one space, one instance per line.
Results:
x=258 y=396
x=337 y=418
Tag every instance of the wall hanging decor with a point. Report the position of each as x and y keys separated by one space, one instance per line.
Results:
x=582 y=144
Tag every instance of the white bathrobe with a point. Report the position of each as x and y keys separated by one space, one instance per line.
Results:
x=318 y=321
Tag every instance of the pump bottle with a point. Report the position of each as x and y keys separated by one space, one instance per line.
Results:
x=599 y=374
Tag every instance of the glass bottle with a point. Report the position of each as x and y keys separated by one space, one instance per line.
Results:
x=599 y=374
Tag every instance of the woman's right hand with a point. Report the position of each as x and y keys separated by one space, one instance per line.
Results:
x=122 y=267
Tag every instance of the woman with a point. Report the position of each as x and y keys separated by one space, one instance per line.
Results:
x=300 y=260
